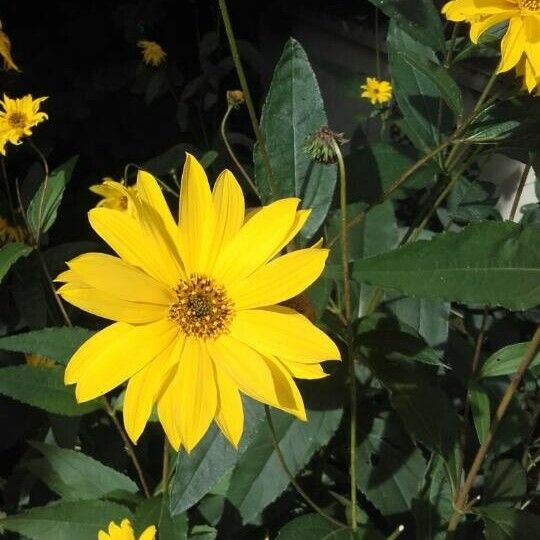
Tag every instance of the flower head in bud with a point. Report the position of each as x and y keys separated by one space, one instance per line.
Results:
x=320 y=146
x=235 y=98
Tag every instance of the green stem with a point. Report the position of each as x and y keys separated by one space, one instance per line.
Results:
x=396 y=533
x=8 y=190
x=166 y=466
x=292 y=479
x=44 y=192
x=247 y=95
x=520 y=187
x=462 y=500
x=232 y=154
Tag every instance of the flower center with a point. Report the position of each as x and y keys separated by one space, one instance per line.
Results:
x=17 y=120
x=531 y=5
x=202 y=308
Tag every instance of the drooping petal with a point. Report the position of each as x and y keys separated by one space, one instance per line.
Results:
x=280 y=279
x=304 y=371
x=460 y=10
x=130 y=353
x=197 y=217
x=120 y=279
x=512 y=45
x=256 y=241
x=230 y=413
x=195 y=385
x=299 y=221
x=144 y=387
x=104 y=305
x=282 y=332
x=167 y=409
x=478 y=28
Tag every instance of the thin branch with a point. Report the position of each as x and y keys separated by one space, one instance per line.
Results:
x=44 y=192
x=520 y=187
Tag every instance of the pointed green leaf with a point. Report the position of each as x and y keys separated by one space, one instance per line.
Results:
x=506 y=361
x=509 y=523
x=506 y=484
x=316 y=527
x=10 y=254
x=480 y=409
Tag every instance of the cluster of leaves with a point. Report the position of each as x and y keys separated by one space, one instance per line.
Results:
x=444 y=298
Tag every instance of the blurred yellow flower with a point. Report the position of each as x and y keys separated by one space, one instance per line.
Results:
x=525 y=70
x=10 y=233
x=5 y=51
x=196 y=305
x=37 y=360
x=124 y=531
x=153 y=54
x=376 y=91
x=17 y=118
x=116 y=195
x=520 y=46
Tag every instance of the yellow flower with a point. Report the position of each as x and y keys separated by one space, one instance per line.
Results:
x=153 y=54
x=125 y=532
x=17 y=118
x=116 y=195
x=376 y=91
x=521 y=42
x=10 y=233
x=530 y=82
x=196 y=305
x=5 y=51
x=36 y=360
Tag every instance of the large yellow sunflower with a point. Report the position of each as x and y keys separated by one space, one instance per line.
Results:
x=521 y=42
x=17 y=119
x=124 y=531
x=197 y=308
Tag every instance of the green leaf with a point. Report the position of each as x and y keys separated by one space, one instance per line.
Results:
x=506 y=361
x=488 y=263
x=316 y=527
x=509 y=523
x=293 y=111
x=57 y=343
x=416 y=93
x=197 y=472
x=76 y=476
x=155 y=511
x=418 y=18
x=390 y=466
x=259 y=477
x=506 y=485
x=43 y=207
x=43 y=387
x=439 y=77
x=10 y=254
x=66 y=520
x=480 y=409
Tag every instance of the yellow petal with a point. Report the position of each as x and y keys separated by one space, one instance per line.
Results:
x=256 y=241
x=104 y=305
x=230 y=413
x=102 y=535
x=282 y=332
x=280 y=279
x=255 y=375
x=512 y=45
x=478 y=28
x=195 y=385
x=299 y=221
x=304 y=371
x=144 y=387
x=120 y=279
x=133 y=244
x=130 y=353
x=149 y=533
x=167 y=412
x=197 y=217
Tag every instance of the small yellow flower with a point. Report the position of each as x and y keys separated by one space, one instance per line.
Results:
x=39 y=361
x=196 y=305
x=124 y=531
x=521 y=42
x=5 y=51
x=17 y=118
x=10 y=233
x=378 y=92
x=116 y=195
x=153 y=54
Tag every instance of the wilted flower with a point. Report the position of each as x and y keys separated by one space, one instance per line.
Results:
x=235 y=98
x=320 y=146
x=196 y=305
x=116 y=195
x=153 y=54
x=10 y=233
x=124 y=531
x=5 y=51
x=17 y=118
x=378 y=92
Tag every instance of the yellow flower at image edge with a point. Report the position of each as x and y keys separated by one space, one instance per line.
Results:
x=376 y=91
x=10 y=233
x=153 y=54
x=520 y=46
x=17 y=118
x=5 y=51
x=124 y=531
x=116 y=195
x=196 y=305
